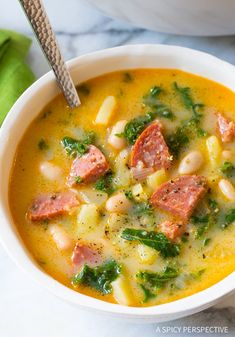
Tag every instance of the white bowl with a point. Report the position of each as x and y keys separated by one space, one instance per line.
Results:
x=27 y=108
x=188 y=17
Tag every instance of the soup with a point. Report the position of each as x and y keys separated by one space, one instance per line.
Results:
x=130 y=198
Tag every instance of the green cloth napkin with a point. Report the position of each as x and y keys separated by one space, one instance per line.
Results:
x=15 y=74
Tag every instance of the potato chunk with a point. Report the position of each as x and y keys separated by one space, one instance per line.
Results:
x=157 y=178
x=214 y=150
x=122 y=173
x=122 y=291
x=91 y=196
x=138 y=193
x=106 y=110
x=146 y=254
x=88 y=217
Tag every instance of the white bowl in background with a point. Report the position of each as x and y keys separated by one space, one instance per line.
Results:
x=29 y=105
x=187 y=17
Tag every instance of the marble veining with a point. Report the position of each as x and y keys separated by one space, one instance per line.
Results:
x=24 y=306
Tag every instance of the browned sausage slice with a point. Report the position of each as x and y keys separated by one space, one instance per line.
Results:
x=172 y=229
x=89 y=167
x=48 y=206
x=226 y=128
x=150 y=149
x=180 y=196
x=85 y=254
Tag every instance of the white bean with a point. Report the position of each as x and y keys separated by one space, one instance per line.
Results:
x=118 y=203
x=227 y=189
x=191 y=163
x=115 y=141
x=61 y=238
x=50 y=171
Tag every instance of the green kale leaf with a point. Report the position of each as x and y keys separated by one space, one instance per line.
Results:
x=152 y=282
x=148 y=294
x=228 y=169
x=187 y=100
x=105 y=183
x=205 y=221
x=229 y=218
x=143 y=208
x=75 y=147
x=158 y=109
x=135 y=127
x=183 y=134
x=158 y=241
x=158 y=280
x=98 y=278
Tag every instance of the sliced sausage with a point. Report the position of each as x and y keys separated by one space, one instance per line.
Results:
x=151 y=149
x=88 y=167
x=85 y=254
x=172 y=229
x=226 y=128
x=48 y=206
x=180 y=196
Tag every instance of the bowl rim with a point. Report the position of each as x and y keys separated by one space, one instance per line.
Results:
x=10 y=238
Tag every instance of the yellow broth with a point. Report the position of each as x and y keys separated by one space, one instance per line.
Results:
x=200 y=265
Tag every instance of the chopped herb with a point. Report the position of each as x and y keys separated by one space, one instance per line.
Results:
x=148 y=294
x=100 y=277
x=184 y=238
x=45 y=224
x=43 y=145
x=127 y=77
x=152 y=239
x=187 y=100
x=158 y=109
x=201 y=133
x=228 y=169
x=83 y=89
x=75 y=147
x=129 y=195
x=206 y=242
x=151 y=281
x=177 y=141
x=105 y=183
x=143 y=208
x=78 y=179
x=139 y=209
x=151 y=98
x=189 y=128
x=229 y=218
x=183 y=134
x=215 y=215
x=213 y=204
x=135 y=127
x=196 y=275
x=200 y=219
x=205 y=221
x=162 y=111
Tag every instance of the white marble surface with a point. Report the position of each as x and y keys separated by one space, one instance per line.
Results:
x=194 y=17
x=25 y=309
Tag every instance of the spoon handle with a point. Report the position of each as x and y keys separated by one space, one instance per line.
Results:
x=41 y=25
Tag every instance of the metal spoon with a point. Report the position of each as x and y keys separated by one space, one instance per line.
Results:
x=40 y=23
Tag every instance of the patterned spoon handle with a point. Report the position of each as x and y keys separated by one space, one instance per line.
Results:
x=40 y=23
